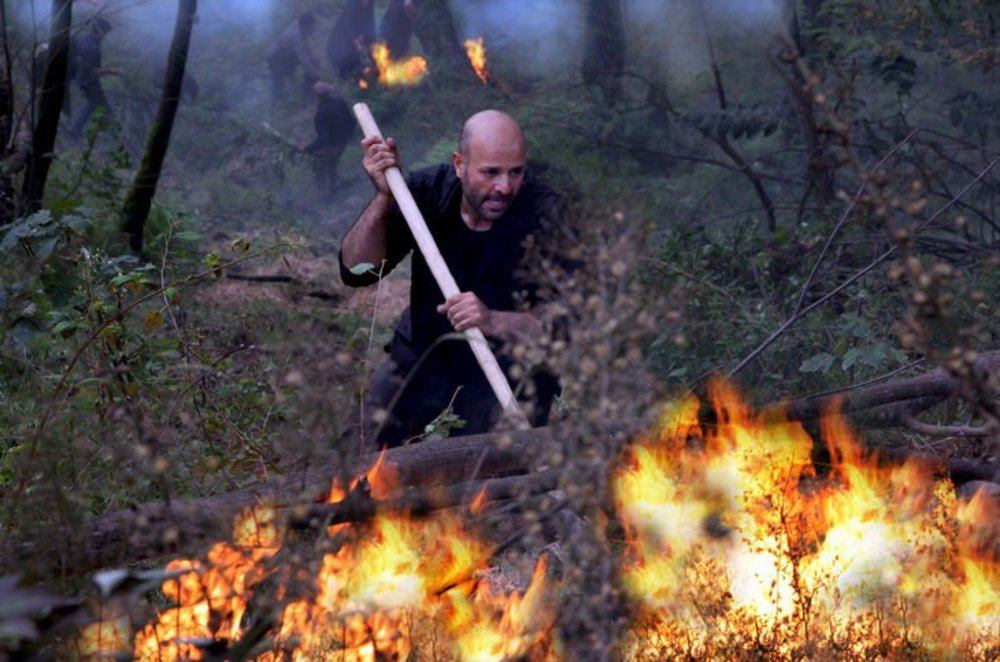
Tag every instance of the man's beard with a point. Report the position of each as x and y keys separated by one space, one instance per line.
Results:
x=491 y=206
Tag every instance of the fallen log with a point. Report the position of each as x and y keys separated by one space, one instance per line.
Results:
x=891 y=404
x=165 y=527
x=154 y=529
x=359 y=506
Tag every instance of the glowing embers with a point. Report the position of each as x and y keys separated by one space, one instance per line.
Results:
x=476 y=52
x=737 y=549
x=408 y=71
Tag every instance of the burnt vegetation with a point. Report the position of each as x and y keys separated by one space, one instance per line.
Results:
x=801 y=197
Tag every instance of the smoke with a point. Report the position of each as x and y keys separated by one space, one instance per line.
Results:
x=535 y=36
x=676 y=30
x=724 y=16
x=148 y=25
x=546 y=36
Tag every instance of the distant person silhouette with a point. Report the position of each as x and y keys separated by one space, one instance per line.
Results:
x=290 y=51
x=396 y=27
x=350 y=38
x=85 y=58
x=334 y=125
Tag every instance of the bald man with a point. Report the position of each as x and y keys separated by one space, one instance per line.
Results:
x=483 y=209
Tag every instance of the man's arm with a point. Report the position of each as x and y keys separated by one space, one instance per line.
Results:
x=368 y=239
x=367 y=242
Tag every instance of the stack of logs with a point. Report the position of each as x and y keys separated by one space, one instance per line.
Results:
x=446 y=472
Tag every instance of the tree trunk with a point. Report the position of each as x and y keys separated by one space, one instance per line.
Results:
x=43 y=138
x=604 y=50
x=140 y=196
x=7 y=210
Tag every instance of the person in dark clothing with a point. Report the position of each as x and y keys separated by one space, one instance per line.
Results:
x=396 y=27
x=334 y=126
x=85 y=67
x=482 y=209
x=350 y=37
x=291 y=51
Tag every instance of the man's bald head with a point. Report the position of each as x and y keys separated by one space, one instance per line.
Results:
x=490 y=163
x=494 y=126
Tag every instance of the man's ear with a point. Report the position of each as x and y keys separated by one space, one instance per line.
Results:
x=459 y=163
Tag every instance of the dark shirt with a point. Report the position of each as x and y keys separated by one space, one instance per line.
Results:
x=356 y=20
x=87 y=59
x=491 y=264
x=334 y=123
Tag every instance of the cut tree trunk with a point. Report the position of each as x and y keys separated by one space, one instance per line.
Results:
x=890 y=404
x=140 y=196
x=43 y=137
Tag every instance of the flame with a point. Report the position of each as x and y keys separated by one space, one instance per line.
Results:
x=211 y=598
x=736 y=547
x=369 y=594
x=104 y=639
x=408 y=71
x=476 y=52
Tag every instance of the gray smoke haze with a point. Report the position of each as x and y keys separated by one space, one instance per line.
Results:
x=546 y=36
x=148 y=24
x=537 y=36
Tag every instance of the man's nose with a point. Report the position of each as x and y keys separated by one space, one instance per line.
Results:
x=502 y=184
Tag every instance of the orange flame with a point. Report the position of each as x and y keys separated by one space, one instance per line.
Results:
x=408 y=71
x=476 y=52
x=104 y=639
x=362 y=604
x=738 y=548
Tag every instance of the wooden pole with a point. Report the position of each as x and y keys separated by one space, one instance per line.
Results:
x=442 y=275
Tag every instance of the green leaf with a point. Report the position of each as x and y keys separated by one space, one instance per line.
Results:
x=46 y=248
x=362 y=268
x=819 y=363
x=854 y=326
x=851 y=357
x=67 y=328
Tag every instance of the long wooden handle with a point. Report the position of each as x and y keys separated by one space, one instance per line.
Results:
x=442 y=275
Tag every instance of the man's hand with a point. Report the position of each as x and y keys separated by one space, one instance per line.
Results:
x=465 y=311
x=380 y=155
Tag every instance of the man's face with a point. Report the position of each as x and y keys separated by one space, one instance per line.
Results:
x=492 y=173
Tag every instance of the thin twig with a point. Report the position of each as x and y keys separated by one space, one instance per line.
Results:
x=869 y=382
x=842 y=220
x=799 y=314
